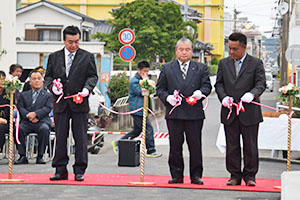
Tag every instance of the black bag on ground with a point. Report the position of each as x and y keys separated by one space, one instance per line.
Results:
x=129 y=153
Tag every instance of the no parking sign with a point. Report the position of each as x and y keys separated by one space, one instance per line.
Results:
x=127 y=53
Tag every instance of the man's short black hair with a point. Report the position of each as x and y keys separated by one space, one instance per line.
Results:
x=71 y=30
x=13 y=68
x=238 y=37
x=2 y=74
x=35 y=71
x=143 y=64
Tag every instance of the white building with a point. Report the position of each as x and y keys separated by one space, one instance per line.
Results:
x=7 y=34
x=39 y=32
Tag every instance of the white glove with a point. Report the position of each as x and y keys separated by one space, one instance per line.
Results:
x=225 y=101
x=171 y=100
x=247 y=97
x=84 y=93
x=197 y=94
x=56 y=91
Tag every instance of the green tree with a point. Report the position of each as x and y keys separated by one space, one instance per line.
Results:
x=157 y=27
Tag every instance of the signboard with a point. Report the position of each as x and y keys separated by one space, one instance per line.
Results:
x=126 y=36
x=104 y=77
x=127 y=53
x=292 y=54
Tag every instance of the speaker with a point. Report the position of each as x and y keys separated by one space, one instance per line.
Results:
x=129 y=153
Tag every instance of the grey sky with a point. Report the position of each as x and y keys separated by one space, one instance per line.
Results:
x=259 y=12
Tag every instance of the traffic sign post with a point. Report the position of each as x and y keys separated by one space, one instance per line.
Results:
x=127 y=52
x=126 y=36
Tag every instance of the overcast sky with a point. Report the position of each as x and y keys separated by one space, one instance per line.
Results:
x=259 y=12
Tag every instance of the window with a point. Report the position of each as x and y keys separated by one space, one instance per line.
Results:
x=31 y=34
x=85 y=35
x=49 y=35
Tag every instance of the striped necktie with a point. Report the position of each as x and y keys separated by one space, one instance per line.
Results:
x=34 y=96
x=69 y=63
x=184 y=70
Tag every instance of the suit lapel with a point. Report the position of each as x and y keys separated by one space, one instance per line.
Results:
x=61 y=61
x=231 y=67
x=178 y=73
x=244 y=65
x=190 y=74
x=75 y=61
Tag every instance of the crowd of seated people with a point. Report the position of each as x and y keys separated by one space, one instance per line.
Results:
x=34 y=104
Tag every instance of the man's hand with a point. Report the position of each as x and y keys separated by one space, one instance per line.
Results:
x=57 y=91
x=171 y=100
x=84 y=93
x=31 y=115
x=35 y=120
x=197 y=94
x=247 y=97
x=227 y=101
x=3 y=121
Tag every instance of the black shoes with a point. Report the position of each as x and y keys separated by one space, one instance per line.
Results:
x=40 y=161
x=234 y=182
x=197 y=180
x=175 y=180
x=79 y=177
x=58 y=177
x=21 y=160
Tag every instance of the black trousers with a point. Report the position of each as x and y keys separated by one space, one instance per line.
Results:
x=137 y=130
x=233 y=150
x=43 y=131
x=79 y=129
x=3 y=129
x=193 y=133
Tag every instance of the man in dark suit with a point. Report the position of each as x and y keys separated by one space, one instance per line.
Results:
x=190 y=78
x=240 y=77
x=76 y=69
x=34 y=106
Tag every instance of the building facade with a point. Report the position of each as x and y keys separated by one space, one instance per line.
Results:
x=210 y=30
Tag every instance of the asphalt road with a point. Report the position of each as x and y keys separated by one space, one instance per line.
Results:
x=106 y=162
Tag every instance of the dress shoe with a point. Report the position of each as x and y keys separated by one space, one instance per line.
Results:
x=197 y=180
x=40 y=161
x=21 y=160
x=175 y=180
x=79 y=177
x=58 y=177
x=250 y=183
x=234 y=182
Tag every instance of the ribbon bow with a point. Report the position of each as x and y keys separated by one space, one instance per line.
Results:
x=239 y=107
x=178 y=99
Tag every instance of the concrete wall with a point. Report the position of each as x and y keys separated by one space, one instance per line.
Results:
x=125 y=122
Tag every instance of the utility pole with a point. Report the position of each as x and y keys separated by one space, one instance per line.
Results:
x=185 y=14
x=235 y=13
x=284 y=46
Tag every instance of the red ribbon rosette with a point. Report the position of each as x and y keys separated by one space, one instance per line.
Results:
x=77 y=99
x=191 y=100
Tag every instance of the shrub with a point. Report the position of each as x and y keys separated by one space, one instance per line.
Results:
x=118 y=86
x=214 y=61
x=213 y=69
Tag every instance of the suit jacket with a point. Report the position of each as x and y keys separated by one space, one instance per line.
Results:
x=170 y=79
x=251 y=78
x=42 y=106
x=83 y=74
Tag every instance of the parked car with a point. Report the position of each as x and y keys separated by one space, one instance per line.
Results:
x=270 y=82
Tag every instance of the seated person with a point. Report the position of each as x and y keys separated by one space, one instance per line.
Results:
x=34 y=106
x=27 y=83
x=15 y=70
x=4 y=111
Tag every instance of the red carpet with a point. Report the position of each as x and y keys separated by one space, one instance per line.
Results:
x=214 y=183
